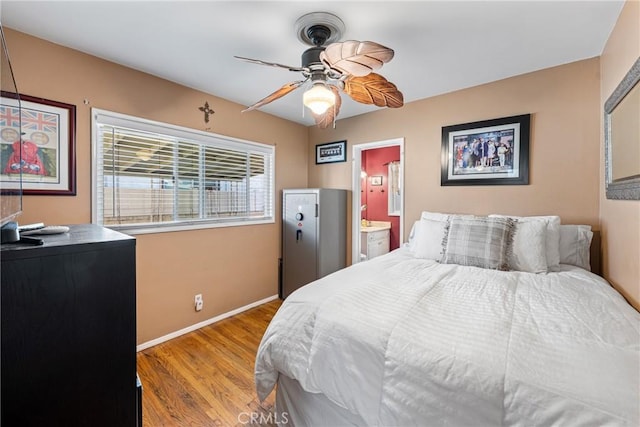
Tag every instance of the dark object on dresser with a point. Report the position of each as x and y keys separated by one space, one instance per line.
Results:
x=69 y=330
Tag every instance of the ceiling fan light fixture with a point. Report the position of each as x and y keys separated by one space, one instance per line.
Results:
x=319 y=98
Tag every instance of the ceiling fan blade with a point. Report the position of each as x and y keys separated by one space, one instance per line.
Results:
x=328 y=117
x=289 y=87
x=373 y=89
x=271 y=64
x=356 y=58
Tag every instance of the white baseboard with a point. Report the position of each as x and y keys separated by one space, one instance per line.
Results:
x=204 y=323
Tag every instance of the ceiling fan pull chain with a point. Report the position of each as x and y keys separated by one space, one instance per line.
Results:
x=334 y=115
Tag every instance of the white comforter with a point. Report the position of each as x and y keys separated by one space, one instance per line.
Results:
x=405 y=341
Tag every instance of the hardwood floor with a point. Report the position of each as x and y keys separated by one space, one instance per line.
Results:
x=205 y=378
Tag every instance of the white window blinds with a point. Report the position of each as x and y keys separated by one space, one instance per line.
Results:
x=151 y=175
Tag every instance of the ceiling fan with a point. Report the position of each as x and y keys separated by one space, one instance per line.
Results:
x=331 y=66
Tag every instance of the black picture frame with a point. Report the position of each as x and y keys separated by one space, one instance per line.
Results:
x=48 y=143
x=488 y=152
x=331 y=152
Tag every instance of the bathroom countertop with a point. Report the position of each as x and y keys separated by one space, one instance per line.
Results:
x=376 y=226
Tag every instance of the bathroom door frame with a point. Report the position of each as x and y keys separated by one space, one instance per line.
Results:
x=357 y=190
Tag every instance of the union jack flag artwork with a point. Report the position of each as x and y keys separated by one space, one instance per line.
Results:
x=37 y=120
x=9 y=116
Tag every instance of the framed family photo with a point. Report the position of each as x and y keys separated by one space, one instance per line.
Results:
x=43 y=159
x=489 y=152
x=331 y=152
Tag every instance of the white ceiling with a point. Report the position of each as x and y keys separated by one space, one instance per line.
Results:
x=440 y=46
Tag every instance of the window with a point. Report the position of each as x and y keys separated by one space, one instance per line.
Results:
x=393 y=190
x=150 y=176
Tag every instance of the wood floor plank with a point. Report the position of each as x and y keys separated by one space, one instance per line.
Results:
x=227 y=363
x=195 y=384
x=205 y=378
x=208 y=374
x=151 y=399
x=177 y=401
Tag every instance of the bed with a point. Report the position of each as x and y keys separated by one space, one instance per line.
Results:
x=424 y=336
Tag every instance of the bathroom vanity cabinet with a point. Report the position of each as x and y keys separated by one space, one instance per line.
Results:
x=375 y=239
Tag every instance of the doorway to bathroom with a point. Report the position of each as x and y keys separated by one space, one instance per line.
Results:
x=378 y=177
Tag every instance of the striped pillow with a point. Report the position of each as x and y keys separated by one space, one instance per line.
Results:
x=478 y=241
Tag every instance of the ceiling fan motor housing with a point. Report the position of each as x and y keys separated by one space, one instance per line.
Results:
x=311 y=56
x=318 y=34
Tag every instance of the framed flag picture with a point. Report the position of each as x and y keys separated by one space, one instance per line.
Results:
x=37 y=147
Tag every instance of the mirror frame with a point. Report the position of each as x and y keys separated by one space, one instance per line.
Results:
x=627 y=188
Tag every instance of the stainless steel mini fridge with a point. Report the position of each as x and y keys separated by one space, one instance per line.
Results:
x=314 y=230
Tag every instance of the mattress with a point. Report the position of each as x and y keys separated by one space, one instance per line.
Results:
x=399 y=340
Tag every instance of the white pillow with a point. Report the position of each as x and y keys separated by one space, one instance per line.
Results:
x=552 y=242
x=575 y=245
x=428 y=237
x=435 y=216
x=412 y=234
x=438 y=216
x=529 y=247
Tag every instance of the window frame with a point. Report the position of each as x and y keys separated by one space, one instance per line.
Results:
x=110 y=118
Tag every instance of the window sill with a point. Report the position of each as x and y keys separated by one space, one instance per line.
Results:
x=167 y=228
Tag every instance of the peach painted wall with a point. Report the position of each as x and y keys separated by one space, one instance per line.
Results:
x=564 y=157
x=232 y=266
x=620 y=219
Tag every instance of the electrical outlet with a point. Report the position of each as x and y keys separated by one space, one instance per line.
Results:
x=199 y=302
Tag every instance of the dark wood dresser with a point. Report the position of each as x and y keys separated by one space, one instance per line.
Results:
x=69 y=330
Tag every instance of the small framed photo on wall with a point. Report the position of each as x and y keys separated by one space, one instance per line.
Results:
x=331 y=152
x=376 y=180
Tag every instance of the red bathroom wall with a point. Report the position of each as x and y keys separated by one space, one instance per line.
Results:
x=376 y=163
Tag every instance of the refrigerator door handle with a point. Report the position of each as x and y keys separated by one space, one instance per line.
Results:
x=298 y=235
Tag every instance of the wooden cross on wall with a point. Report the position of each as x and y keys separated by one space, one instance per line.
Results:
x=206 y=110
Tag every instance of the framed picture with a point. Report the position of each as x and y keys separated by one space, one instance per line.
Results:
x=46 y=154
x=376 y=180
x=331 y=152
x=490 y=152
